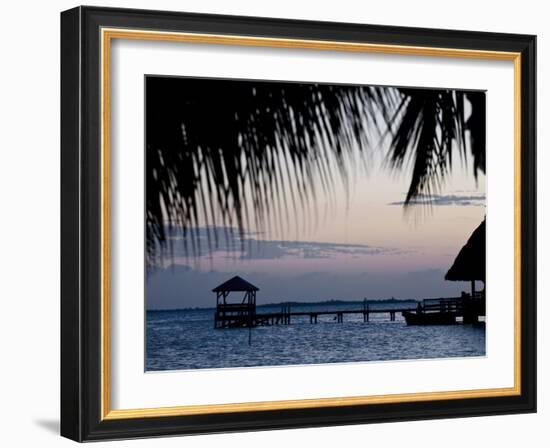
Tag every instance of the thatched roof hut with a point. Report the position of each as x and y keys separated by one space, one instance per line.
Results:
x=469 y=264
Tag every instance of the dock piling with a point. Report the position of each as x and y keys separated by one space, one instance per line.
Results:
x=366 y=312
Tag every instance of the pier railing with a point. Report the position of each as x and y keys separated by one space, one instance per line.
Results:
x=244 y=315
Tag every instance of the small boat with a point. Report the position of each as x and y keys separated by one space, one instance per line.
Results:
x=421 y=318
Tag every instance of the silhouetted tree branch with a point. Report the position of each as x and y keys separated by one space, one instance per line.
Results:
x=224 y=154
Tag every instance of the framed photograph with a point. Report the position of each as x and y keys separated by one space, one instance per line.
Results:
x=276 y=224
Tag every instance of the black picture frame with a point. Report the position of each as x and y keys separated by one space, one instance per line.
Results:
x=81 y=224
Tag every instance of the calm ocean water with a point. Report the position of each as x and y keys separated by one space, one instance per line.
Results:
x=186 y=339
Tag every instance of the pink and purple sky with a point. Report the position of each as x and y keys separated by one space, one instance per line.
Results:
x=358 y=242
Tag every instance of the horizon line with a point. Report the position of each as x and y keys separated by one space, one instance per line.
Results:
x=293 y=302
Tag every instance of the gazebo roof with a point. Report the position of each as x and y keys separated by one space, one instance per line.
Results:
x=470 y=261
x=235 y=284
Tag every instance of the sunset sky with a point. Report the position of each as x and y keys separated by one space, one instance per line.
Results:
x=362 y=243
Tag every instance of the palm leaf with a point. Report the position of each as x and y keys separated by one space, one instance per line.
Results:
x=425 y=128
x=226 y=154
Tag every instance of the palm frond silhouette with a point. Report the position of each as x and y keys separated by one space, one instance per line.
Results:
x=424 y=127
x=222 y=154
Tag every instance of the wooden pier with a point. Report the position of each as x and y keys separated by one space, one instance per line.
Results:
x=286 y=316
x=244 y=314
x=446 y=311
x=338 y=315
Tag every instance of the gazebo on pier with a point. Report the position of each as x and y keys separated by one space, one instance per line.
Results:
x=235 y=314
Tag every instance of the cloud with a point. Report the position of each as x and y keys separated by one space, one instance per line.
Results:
x=462 y=200
x=271 y=249
x=232 y=244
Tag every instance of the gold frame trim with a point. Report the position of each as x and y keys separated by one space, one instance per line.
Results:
x=107 y=35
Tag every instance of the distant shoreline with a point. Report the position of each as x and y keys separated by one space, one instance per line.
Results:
x=297 y=303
